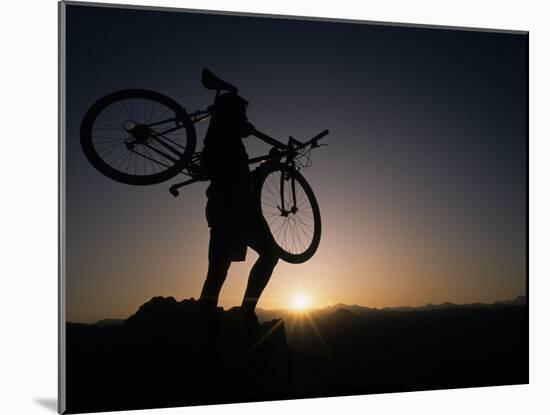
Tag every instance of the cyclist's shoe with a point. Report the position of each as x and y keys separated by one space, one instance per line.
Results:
x=242 y=322
x=209 y=316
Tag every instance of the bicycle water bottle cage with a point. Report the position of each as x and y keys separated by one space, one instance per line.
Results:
x=211 y=81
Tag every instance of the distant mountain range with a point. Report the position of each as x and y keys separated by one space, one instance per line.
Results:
x=266 y=315
x=520 y=300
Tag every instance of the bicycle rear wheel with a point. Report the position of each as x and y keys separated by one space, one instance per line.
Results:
x=137 y=137
x=291 y=211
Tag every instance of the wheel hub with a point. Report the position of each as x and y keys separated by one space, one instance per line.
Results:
x=140 y=133
x=285 y=212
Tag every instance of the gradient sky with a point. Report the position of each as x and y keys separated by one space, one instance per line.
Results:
x=422 y=188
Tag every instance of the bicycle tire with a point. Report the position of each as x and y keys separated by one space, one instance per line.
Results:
x=91 y=123
x=289 y=250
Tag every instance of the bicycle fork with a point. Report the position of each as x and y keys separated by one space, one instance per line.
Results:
x=285 y=212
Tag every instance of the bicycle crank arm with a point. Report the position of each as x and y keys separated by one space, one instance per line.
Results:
x=174 y=188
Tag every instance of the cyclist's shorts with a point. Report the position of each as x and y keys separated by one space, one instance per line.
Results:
x=231 y=240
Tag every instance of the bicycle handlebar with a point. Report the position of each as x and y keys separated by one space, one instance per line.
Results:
x=314 y=139
x=278 y=144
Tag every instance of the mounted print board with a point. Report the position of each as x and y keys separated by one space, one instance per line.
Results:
x=260 y=207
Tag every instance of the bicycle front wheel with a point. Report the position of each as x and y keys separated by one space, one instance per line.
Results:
x=291 y=211
x=137 y=137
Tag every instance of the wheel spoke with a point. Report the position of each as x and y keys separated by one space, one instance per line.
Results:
x=109 y=135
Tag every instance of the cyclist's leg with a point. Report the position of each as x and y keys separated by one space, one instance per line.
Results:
x=257 y=281
x=260 y=240
x=218 y=265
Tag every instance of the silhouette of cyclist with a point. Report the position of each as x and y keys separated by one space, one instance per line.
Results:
x=234 y=220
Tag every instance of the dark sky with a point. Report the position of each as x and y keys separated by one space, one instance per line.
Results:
x=422 y=188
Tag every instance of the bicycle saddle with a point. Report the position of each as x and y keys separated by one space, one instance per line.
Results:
x=211 y=81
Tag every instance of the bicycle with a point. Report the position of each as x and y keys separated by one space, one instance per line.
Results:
x=142 y=137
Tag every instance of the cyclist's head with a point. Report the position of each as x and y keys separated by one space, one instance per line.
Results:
x=229 y=104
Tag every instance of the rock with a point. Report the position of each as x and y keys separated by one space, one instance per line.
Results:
x=172 y=353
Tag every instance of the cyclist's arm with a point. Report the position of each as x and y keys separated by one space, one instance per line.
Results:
x=248 y=129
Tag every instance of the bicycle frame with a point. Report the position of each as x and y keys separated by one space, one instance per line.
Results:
x=285 y=150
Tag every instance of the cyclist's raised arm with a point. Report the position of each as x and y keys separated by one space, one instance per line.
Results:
x=267 y=139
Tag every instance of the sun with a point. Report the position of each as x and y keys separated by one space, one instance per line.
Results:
x=300 y=302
